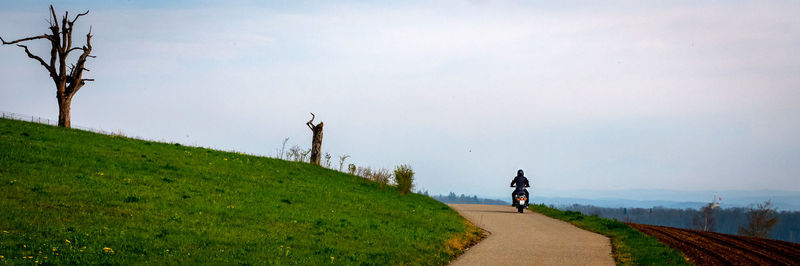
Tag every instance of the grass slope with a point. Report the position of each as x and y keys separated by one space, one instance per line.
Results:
x=70 y=196
x=630 y=246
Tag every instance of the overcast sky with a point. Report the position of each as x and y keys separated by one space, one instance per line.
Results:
x=582 y=96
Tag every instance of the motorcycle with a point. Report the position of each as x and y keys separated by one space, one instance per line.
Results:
x=520 y=199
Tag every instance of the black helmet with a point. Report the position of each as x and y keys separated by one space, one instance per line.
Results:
x=520 y=173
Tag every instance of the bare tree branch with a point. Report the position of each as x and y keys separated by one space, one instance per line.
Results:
x=66 y=38
x=72 y=71
x=54 y=47
x=68 y=33
x=54 y=23
x=41 y=61
x=76 y=17
x=45 y=36
x=310 y=122
x=77 y=74
x=73 y=49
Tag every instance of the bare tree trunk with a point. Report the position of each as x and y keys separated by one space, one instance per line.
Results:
x=316 y=140
x=64 y=104
x=316 y=144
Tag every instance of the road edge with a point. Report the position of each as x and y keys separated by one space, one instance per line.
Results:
x=459 y=243
x=628 y=245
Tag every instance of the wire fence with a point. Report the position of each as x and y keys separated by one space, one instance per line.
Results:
x=46 y=121
x=118 y=133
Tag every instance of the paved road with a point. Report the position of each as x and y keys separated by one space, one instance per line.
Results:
x=544 y=240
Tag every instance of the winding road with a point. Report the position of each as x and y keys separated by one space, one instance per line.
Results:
x=530 y=239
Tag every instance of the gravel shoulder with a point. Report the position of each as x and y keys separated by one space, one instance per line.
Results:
x=530 y=239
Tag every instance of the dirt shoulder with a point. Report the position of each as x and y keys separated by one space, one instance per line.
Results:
x=530 y=239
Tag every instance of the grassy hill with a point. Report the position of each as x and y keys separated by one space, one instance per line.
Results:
x=70 y=196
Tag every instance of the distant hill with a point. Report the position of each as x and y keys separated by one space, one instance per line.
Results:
x=74 y=197
x=617 y=203
x=465 y=199
x=647 y=198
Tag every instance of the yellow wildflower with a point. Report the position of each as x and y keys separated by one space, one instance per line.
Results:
x=54 y=249
x=108 y=250
x=1 y=257
x=67 y=240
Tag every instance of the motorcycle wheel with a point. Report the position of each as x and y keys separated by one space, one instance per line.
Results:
x=520 y=208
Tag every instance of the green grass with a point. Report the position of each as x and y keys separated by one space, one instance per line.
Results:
x=70 y=196
x=630 y=246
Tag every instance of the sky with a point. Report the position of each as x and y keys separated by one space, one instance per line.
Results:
x=583 y=96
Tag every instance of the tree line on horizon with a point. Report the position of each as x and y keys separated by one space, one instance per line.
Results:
x=452 y=198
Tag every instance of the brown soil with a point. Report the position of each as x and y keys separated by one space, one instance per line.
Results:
x=708 y=248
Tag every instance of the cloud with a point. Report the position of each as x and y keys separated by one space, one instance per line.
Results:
x=613 y=95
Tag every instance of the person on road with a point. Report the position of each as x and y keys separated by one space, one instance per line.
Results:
x=521 y=183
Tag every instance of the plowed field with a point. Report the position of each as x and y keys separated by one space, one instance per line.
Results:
x=707 y=248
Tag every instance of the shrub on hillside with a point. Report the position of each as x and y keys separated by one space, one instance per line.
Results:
x=328 y=157
x=294 y=153
x=365 y=172
x=404 y=177
x=382 y=176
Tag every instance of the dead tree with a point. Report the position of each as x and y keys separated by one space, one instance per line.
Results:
x=316 y=140
x=67 y=82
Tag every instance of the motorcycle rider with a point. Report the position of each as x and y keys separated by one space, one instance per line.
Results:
x=521 y=183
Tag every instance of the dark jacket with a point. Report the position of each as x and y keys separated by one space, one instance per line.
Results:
x=521 y=181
